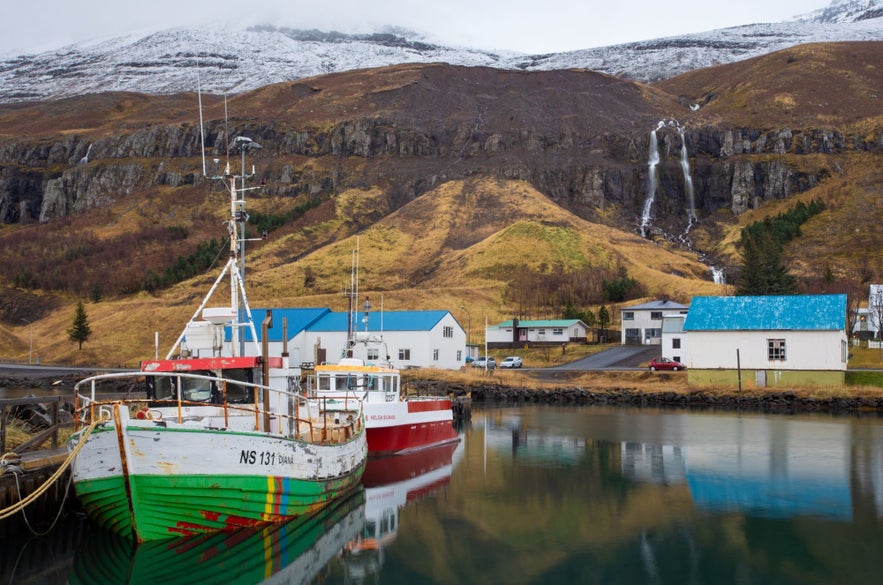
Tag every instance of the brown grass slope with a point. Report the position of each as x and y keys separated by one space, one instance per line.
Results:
x=816 y=85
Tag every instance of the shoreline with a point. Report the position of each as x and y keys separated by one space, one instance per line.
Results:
x=784 y=401
x=772 y=401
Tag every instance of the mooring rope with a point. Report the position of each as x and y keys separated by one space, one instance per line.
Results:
x=24 y=502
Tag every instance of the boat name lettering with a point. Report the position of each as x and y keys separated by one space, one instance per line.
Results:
x=265 y=458
x=382 y=417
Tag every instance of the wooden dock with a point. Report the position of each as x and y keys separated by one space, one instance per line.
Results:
x=27 y=467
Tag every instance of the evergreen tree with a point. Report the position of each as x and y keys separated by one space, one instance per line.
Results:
x=79 y=330
x=603 y=317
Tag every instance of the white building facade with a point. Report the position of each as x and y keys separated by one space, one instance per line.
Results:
x=767 y=340
x=404 y=339
x=642 y=324
x=515 y=333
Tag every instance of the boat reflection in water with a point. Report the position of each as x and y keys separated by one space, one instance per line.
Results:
x=391 y=483
x=290 y=552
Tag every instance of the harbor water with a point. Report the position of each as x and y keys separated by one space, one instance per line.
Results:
x=540 y=494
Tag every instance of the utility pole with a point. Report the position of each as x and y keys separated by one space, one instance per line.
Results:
x=468 y=325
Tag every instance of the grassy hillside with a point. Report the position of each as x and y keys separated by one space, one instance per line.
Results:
x=461 y=245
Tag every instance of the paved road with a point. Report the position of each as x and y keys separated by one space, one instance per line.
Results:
x=622 y=357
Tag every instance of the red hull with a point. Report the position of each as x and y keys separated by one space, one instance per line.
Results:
x=386 y=471
x=412 y=431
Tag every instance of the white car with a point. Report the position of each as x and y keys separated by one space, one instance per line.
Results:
x=486 y=362
x=513 y=361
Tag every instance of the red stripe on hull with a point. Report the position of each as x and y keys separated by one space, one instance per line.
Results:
x=428 y=405
x=409 y=437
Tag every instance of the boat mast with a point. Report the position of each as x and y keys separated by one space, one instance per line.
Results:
x=236 y=261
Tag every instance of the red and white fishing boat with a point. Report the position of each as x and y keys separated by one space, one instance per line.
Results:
x=395 y=423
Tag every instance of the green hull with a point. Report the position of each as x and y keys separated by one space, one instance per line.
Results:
x=168 y=506
x=247 y=555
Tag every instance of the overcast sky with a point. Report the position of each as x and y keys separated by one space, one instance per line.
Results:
x=529 y=26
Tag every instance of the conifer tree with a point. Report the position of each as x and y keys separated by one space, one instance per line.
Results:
x=79 y=330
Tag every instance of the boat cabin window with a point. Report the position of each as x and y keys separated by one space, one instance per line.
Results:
x=192 y=390
x=198 y=390
x=235 y=393
x=323 y=382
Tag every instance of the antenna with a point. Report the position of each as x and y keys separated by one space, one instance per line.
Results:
x=226 y=131
x=201 y=131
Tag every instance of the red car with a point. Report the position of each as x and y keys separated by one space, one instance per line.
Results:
x=663 y=363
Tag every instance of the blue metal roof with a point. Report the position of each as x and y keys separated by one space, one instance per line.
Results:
x=297 y=321
x=381 y=321
x=767 y=313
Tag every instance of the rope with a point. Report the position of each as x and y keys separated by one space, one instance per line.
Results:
x=23 y=503
x=67 y=489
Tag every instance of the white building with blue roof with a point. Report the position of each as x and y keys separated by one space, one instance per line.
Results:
x=425 y=339
x=767 y=340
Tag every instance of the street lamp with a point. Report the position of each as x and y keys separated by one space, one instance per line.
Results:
x=31 y=345
x=468 y=325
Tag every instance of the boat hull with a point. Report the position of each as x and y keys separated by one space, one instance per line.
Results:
x=408 y=425
x=147 y=481
x=291 y=552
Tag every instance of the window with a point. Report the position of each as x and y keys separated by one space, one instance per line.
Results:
x=629 y=333
x=541 y=332
x=558 y=331
x=435 y=355
x=447 y=331
x=405 y=355
x=459 y=355
x=628 y=315
x=652 y=333
x=373 y=353
x=776 y=349
x=676 y=344
x=676 y=358
x=656 y=315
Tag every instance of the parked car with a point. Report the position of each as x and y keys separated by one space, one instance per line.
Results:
x=485 y=362
x=663 y=363
x=513 y=361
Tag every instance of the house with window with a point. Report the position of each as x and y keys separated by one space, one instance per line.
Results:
x=674 y=340
x=765 y=341
x=407 y=339
x=515 y=333
x=642 y=324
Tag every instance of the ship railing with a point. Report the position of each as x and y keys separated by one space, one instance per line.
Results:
x=316 y=419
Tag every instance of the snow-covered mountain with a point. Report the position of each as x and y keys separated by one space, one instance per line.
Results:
x=236 y=61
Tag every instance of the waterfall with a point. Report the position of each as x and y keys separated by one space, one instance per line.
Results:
x=652 y=161
x=85 y=159
x=688 y=180
x=717 y=275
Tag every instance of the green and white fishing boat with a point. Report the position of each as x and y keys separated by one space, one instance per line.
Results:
x=217 y=435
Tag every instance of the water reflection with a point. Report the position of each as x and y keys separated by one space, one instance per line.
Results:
x=391 y=483
x=291 y=552
x=543 y=495
x=771 y=466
